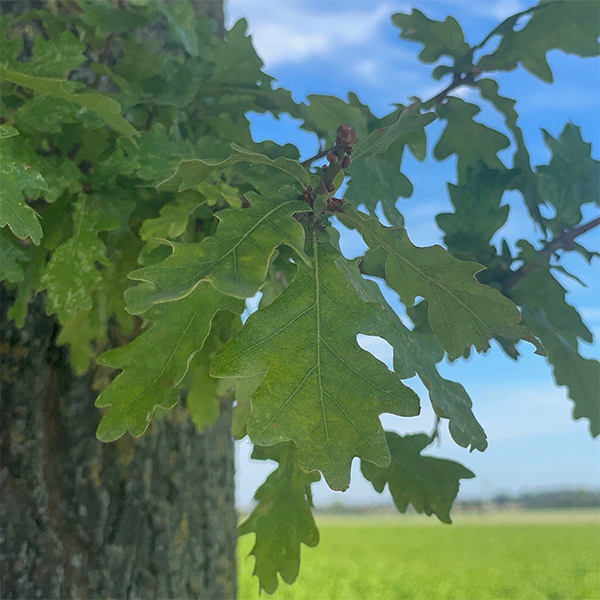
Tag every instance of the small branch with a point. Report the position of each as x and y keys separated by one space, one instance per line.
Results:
x=320 y=154
x=563 y=241
x=339 y=159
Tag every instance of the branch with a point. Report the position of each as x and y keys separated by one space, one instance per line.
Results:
x=320 y=154
x=563 y=241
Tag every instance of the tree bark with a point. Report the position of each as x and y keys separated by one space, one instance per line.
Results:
x=146 y=518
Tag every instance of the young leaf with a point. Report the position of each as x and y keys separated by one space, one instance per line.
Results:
x=478 y=212
x=19 y=181
x=417 y=353
x=235 y=259
x=439 y=38
x=381 y=139
x=572 y=178
x=526 y=180
x=570 y=26
x=321 y=389
x=461 y=310
x=12 y=255
x=430 y=484
x=471 y=141
x=559 y=326
x=282 y=519
x=156 y=361
x=192 y=172
x=72 y=274
x=107 y=108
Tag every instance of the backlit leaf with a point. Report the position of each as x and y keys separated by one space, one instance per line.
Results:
x=321 y=389
x=417 y=353
x=282 y=519
x=429 y=483
x=461 y=310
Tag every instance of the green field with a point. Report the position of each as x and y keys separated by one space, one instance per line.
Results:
x=504 y=555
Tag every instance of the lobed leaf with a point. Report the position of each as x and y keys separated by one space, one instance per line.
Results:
x=461 y=310
x=107 y=108
x=571 y=26
x=72 y=274
x=235 y=259
x=321 y=389
x=416 y=353
x=192 y=172
x=282 y=520
x=381 y=139
x=439 y=38
x=155 y=363
x=430 y=484
x=559 y=326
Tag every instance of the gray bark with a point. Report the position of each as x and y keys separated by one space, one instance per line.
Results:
x=146 y=518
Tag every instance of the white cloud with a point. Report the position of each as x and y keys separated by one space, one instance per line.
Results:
x=291 y=32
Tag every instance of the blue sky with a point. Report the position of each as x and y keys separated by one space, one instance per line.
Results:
x=335 y=47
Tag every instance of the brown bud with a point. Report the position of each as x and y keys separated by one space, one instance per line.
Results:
x=324 y=168
x=332 y=157
x=330 y=187
x=346 y=135
x=346 y=162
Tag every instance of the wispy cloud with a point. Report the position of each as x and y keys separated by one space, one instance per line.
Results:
x=293 y=31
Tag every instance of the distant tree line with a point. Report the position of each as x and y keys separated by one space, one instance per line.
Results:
x=569 y=498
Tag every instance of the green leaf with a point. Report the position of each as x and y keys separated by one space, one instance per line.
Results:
x=107 y=108
x=378 y=179
x=55 y=57
x=321 y=389
x=192 y=172
x=571 y=26
x=559 y=326
x=72 y=274
x=430 y=484
x=182 y=23
x=155 y=363
x=237 y=61
x=381 y=139
x=173 y=219
x=244 y=390
x=19 y=181
x=235 y=259
x=6 y=131
x=472 y=142
x=86 y=327
x=282 y=519
x=461 y=310
x=439 y=38
x=526 y=181
x=12 y=255
x=572 y=178
x=109 y=18
x=415 y=353
x=478 y=213
x=324 y=114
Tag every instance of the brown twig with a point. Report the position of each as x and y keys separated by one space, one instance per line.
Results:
x=563 y=241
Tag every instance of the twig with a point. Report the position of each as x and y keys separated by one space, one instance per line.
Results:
x=563 y=241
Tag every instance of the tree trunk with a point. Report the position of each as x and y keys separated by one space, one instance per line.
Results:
x=146 y=518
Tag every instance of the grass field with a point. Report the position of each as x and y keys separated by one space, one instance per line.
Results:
x=554 y=555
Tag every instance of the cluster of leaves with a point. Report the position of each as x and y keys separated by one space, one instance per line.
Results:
x=100 y=104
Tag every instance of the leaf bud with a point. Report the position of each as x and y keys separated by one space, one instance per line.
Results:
x=346 y=135
x=332 y=157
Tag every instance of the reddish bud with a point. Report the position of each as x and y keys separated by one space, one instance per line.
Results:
x=346 y=162
x=324 y=168
x=346 y=135
x=332 y=157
